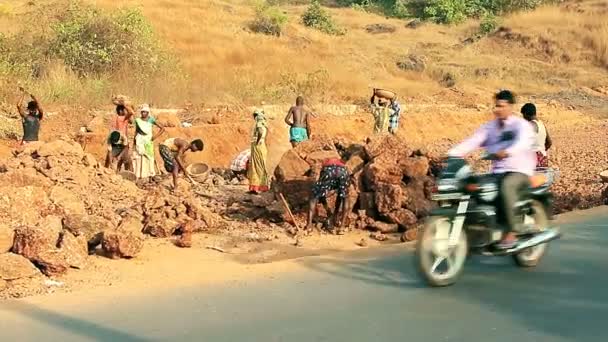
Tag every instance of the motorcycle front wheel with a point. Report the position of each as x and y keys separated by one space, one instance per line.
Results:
x=437 y=262
x=538 y=218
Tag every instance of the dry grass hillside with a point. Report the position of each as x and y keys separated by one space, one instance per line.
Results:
x=546 y=50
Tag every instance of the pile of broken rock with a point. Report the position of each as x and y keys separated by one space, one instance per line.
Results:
x=391 y=183
x=57 y=206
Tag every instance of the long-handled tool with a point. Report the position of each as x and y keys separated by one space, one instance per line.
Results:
x=286 y=205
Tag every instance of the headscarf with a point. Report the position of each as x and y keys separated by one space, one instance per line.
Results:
x=260 y=122
x=260 y=118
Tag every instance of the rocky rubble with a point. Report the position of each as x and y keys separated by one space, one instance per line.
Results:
x=390 y=187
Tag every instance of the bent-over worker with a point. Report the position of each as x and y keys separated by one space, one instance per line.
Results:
x=333 y=177
x=172 y=151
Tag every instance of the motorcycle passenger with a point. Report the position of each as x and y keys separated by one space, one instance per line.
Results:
x=510 y=139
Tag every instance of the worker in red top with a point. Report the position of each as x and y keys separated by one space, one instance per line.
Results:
x=120 y=123
x=334 y=177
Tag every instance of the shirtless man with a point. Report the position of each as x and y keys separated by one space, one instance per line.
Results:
x=297 y=119
x=172 y=151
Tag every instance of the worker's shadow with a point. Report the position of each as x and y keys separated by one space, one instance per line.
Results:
x=71 y=325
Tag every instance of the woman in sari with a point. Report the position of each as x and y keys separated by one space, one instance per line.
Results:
x=144 y=143
x=257 y=173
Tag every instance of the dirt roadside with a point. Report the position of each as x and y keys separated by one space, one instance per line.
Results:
x=161 y=266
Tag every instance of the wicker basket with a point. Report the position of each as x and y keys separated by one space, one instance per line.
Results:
x=385 y=94
x=198 y=171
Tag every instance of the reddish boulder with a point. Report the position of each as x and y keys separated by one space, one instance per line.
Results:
x=388 y=198
x=14 y=266
x=160 y=228
x=121 y=244
x=388 y=146
x=74 y=250
x=291 y=167
x=367 y=200
x=403 y=217
x=415 y=198
x=376 y=173
x=414 y=167
x=51 y=262
x=91 y=227
x=31 y=242
x=316 y=159
x=185 y=240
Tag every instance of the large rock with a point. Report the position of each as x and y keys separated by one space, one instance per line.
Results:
x=61 y=148
x=388 y=198
x=52 y=262
x=74 y=250
x=290 y=167
x=131 y=223
x=7 y=236
x=297 y=192
x=22 y=205
x=31 y=242
x=67 y=201
x=367 y=201
x=159 y=226
x=415 y=198
x=414 y=167
x=387 y=145
x=319 y=142
x=316 y=159
x=403 y=217
x=381 y=173
x=121 y=244
x=14 y=266
x=91 y=227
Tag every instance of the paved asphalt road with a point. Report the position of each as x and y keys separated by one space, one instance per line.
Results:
x=370 y=295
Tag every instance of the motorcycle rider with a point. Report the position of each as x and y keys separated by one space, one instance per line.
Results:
x=510 y=140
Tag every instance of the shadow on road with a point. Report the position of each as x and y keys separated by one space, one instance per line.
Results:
x=565 y=296
x=76 y=326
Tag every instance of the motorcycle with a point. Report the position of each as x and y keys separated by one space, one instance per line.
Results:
x=467 y=220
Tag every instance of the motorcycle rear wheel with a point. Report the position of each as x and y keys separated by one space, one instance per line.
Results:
x=531 y=257
x=433 y=251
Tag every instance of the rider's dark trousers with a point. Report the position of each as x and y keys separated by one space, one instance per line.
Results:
x=512 y=185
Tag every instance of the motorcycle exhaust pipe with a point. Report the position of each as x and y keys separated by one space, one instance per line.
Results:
x=544 y=237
